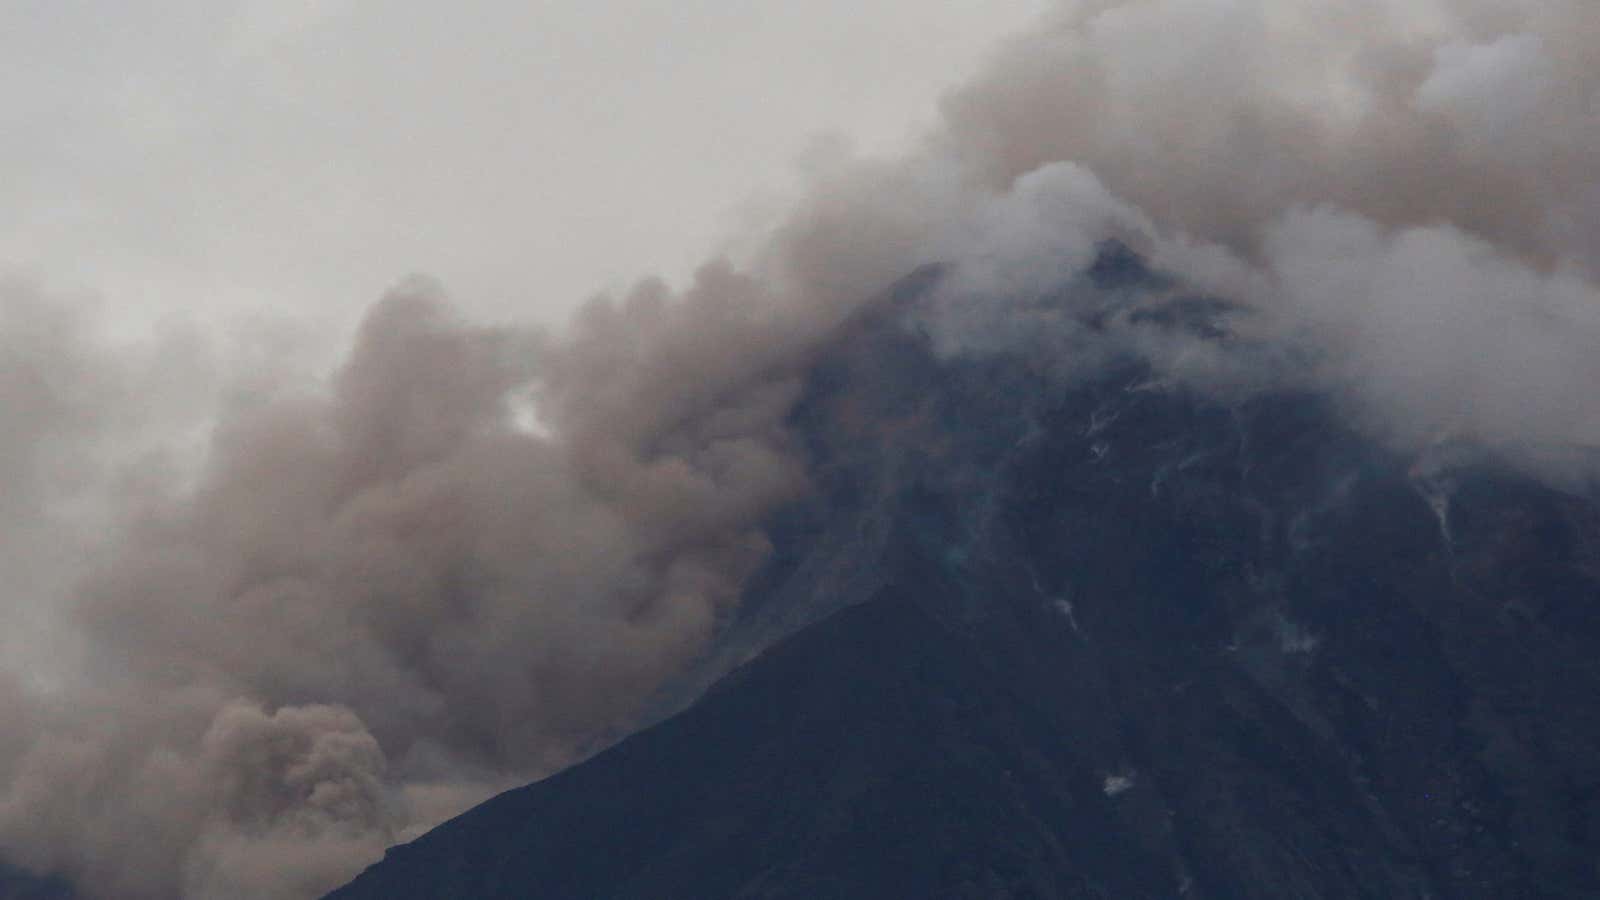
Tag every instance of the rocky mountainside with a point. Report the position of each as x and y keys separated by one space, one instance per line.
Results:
x=1093 y=633
x=16 y=884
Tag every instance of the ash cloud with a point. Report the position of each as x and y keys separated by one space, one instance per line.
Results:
x=383 y=599
x=470 y=555
x=1404 y=191
x=1216 y=116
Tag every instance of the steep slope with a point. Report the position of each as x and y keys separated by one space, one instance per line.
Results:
x=1105 y=635
x=876 y=754
x=16 y=884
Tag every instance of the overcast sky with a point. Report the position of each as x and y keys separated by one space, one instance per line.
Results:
x=302 y=155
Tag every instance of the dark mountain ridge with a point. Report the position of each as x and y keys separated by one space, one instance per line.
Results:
x=17 y=884
x=1073 y=629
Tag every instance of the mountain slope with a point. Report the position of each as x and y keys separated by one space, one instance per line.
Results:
x=1104 y=635
x=876 y=754
x=16 y=884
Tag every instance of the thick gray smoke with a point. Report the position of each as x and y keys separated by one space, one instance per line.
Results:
x=381 y=600
x=469 y=556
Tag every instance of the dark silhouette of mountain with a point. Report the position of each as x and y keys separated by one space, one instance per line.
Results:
x=878 y=754
x=1051 y=630
x=16 y=884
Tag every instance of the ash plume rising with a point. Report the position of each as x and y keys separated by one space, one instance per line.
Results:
x=471 y=554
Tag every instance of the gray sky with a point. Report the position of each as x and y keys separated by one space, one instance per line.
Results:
x=302 y=155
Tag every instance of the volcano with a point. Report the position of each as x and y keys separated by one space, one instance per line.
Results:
x=1052 y=624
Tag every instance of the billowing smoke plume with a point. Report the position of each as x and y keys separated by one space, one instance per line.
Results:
x=383 y=599
x=469 y=556
x=1411 y=186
